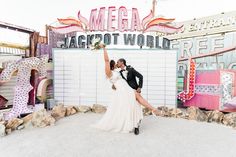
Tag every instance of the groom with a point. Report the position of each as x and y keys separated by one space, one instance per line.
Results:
x=130 y=74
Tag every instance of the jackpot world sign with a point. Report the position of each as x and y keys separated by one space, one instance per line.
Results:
x=117 y=26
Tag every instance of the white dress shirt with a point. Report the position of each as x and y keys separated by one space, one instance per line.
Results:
x=125 y=72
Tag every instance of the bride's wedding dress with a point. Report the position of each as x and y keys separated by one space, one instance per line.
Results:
x=124 y=113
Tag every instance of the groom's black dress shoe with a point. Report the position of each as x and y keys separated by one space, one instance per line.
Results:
x=136 y=131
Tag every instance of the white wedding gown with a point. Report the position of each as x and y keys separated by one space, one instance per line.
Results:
x=124 y=113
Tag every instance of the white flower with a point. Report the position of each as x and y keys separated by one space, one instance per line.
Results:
x=92 y=47
x=95 y=40
x=95 y=44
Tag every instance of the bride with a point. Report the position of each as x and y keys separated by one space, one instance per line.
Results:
x=124 y=113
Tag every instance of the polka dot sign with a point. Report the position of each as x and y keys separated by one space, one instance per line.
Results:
x=23 y=86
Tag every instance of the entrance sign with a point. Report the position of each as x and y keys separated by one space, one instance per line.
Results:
x=205 y=36
x=210 y=25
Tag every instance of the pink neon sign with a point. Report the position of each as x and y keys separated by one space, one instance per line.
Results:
x=112 y=19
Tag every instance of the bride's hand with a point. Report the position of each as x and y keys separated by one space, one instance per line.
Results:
x=102 y=45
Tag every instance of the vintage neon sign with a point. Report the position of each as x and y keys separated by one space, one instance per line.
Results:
x=117 y=20
x=97 y=20
x=112 y=23
x=140 y=40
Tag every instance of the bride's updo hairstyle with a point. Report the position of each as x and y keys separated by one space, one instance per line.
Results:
x=112 y=64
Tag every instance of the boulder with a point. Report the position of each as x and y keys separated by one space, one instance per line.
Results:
x=2 y=129
x=195 y=113
x=98 y=108
x=20 y=127
x=8 y=131
x=185 y=114
x=27 y=118
x=215 y=116
x=160 y=113
x=58 y=111
x=14 y=123
x=27 y=121
x=70 y=110
x=163 y=111
x=42 y=119
x=83 y=108
x=176 y=112
x=229 y=119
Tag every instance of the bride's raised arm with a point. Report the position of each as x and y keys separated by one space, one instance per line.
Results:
x=107 y=62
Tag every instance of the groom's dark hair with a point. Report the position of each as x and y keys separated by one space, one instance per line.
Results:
x=123 y=61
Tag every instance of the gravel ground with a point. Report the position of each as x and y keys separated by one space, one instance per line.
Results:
x=159 y=137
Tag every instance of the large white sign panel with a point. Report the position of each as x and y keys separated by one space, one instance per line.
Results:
x=79 y=76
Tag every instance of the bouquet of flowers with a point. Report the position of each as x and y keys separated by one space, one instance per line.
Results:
x=96 y=44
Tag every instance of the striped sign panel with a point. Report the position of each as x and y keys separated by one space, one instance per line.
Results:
x=79 y=76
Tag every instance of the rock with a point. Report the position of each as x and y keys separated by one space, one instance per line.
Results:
x=20 y=127
x=195 y=113
x=160 y=113
x=83 y=108
x=3 y=122
x=185 y=114
x=2 y=129
x=8 y=131
x=176 y=112
x=28 y=121
x=14 y=123
x=163 y=111
x=28 y=125
x=27 y=118
x=58 y=111
x=215 y=116
x=98 y=108
x=70 y=110
x=146 y=112
x=229 y=119
x=42 y=119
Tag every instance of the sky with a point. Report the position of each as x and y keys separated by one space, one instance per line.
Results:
x=35 y=14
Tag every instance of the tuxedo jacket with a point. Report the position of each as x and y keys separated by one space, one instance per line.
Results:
x=131 y=78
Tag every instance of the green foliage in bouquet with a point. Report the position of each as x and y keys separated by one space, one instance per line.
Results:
x=96 y=44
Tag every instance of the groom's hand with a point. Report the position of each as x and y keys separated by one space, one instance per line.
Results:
x=139 y=90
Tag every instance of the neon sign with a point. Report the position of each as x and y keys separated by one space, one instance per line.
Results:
x=117 y=20
x=116 y=26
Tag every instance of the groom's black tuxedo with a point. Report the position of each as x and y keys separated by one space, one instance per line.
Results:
x=131 y=77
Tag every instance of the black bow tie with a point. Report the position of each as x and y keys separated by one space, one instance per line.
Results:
x=122 y=70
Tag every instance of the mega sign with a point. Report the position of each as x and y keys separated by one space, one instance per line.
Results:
x=97 y=20
x=112 y=24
